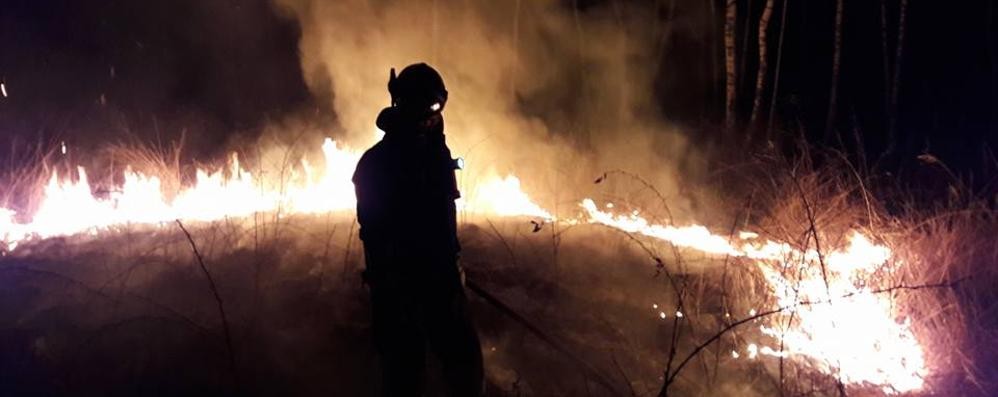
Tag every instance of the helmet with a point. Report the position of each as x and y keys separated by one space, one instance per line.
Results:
x=418 y=88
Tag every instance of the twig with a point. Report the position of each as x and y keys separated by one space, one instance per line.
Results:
x=587 y=369
x=821 y=259
x=218 y=300
x=502 y=239
x=325 y=256
x=102 y=294
x=781 y=309
x=724 y=274
x=620 y=370
x=871 y=216
x=659 y=264
x=348 y=251
x=646 y=184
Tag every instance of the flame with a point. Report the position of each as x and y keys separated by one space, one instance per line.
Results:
x=839 y=335
x=69 y=207
x=10 y=231
x=503 y=197
x=846 y=329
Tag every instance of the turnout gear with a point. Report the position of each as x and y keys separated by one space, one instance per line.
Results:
x=406 y=187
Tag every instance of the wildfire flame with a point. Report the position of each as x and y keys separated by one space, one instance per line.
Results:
x=503 y=197
x=69 y=207
x=847 y=330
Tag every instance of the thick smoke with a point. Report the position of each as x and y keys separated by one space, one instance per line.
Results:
x=551 y=93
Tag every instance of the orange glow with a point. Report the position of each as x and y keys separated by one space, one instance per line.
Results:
x=69 y=207
x=503 y=197
x=846 y=331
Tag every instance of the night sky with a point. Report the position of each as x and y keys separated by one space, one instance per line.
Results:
x=92 y=71
x=98 y=70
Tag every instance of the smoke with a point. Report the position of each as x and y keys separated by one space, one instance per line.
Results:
x=549 y=92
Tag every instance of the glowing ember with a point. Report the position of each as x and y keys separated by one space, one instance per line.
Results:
x=845 y=330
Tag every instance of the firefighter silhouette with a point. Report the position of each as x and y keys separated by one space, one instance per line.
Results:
x=406 y=188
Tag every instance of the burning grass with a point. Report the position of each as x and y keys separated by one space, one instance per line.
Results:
x=890 y=326
x=682 y=311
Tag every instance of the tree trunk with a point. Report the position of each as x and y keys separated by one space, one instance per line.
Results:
x=886 y=62
x=742 y=51
x=895 y=85
x=776 y=75
x=730 y=18
x=760 y=76
x=715 y=52
x=836 y=61
x=992 y=43
x=516 y=50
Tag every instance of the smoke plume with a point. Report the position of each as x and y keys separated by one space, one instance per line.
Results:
x=551 y=92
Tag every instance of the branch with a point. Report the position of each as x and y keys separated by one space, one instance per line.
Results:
x=781 y=309
x=587 y=369
x=810 y=211
x=98 y=292
x=647 y=185
x=218 y=299
x=502 y=239
x=613 y=357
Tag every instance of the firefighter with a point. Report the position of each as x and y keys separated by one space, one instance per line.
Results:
x=406 y=188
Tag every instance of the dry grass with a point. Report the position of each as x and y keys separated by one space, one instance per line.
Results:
x=148 y=159
x=948 y=248
x=24 y=176
x=590 y=286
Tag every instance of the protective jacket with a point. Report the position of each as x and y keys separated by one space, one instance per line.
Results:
x=406 y=188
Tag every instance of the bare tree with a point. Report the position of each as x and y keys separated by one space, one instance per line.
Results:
x=760 y=76
x=516 y=50
x=993 y=45
x=895 y=85
x=715 y=52
x=836 y=61
x=730 y=19
x=887 y=60
x=779 y=64
x=743 y=47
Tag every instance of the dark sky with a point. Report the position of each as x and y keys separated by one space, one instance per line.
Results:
x=93 y=70
x=89 y=71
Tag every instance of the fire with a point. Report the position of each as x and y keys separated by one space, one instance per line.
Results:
x=69 y=207
x=503 y=197
x=839 y=335
x=844 y=329
x=10 y=231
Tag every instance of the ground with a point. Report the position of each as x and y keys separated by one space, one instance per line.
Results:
x=131 y=312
